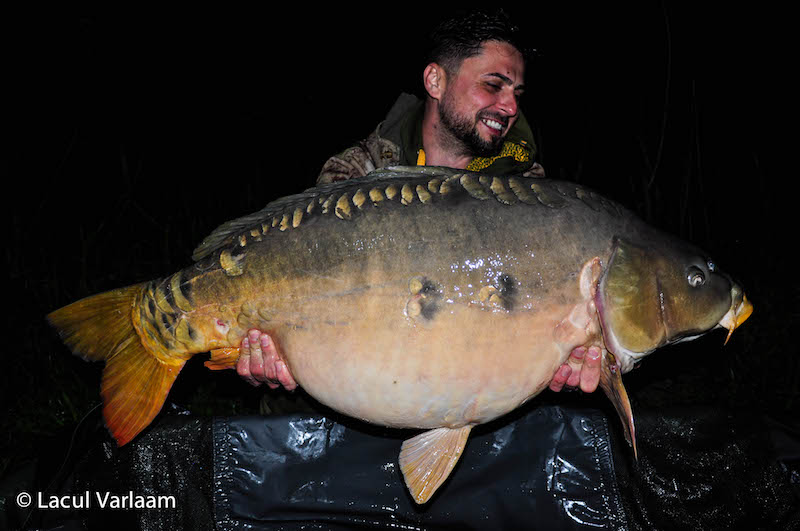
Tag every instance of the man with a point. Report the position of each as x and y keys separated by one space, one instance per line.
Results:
x=470 y=119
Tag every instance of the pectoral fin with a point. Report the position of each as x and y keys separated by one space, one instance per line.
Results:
x=223 y=358
x=611 y=382
x=427 y=459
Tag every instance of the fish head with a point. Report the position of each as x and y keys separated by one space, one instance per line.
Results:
x=663 y=292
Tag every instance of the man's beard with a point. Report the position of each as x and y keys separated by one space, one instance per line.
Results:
x=465 y=131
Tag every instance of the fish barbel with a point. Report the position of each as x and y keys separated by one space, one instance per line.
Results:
x=421 y=298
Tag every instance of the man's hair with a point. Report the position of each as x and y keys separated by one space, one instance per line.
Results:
x=462 y=36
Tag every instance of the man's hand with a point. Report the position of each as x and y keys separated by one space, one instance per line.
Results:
x=581 y=369
x=259 y=362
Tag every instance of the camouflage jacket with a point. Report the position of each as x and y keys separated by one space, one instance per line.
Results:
x=398 y=141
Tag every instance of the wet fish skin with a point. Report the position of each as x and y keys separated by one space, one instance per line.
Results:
x=424 y=298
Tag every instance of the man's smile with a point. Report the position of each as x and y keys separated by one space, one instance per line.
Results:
x=495 y=127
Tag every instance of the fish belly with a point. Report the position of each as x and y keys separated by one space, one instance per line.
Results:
x=365 y=356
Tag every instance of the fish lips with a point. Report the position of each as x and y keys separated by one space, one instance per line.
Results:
x=741 y=309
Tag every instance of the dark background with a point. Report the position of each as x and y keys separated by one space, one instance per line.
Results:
x=130 y=137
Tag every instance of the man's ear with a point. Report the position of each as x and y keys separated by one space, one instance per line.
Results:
x=435 y=80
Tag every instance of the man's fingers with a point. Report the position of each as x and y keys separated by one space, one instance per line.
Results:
x=582 y=369
x=256 y=356
x=243 y=364
x=590 y=372
x=575 y=362
x=558 y=381
x=271 y=361
x=285 y=377
x=259 y=362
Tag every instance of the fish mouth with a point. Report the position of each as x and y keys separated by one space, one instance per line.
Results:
x=740 y=310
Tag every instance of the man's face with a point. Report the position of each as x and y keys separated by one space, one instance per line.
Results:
x=480 y=103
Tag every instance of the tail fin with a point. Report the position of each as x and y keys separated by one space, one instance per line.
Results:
x=135 y=381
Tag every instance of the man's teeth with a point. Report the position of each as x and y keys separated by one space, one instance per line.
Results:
x=494 y=125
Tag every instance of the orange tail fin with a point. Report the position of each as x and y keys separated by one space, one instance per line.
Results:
x=135 y=381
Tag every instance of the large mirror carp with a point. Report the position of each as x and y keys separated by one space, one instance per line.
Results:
x=412 y=298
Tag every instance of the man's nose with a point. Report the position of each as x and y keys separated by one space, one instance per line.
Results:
x=508 y=104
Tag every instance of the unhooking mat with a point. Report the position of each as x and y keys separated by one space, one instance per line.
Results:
x=545 y=467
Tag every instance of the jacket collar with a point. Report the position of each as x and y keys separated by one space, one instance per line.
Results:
x=403 y=126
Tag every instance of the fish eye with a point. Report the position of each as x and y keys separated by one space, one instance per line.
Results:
x=711 y=266
x=695 y=277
